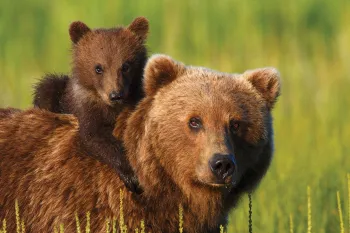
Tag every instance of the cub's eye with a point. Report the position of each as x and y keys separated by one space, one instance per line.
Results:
x=234 y=125
x=98 y=69
x=126 y=67
x=195 y=123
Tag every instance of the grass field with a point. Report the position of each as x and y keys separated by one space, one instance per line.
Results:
x=307 y=40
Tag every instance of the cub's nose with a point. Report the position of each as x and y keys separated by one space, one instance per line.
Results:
x=115 y=96
x=222 y=165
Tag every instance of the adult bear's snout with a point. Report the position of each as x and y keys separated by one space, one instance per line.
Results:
x=222 y=166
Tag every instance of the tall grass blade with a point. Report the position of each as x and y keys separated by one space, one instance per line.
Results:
x=341 y=223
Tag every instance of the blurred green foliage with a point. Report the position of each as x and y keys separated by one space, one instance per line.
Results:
x=307 y=40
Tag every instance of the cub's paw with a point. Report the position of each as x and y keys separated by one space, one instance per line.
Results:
x=132 y=184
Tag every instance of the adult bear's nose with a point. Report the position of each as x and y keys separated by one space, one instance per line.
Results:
x=222 y=165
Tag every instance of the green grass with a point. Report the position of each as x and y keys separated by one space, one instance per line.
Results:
x=307 y=40
x=111 y=225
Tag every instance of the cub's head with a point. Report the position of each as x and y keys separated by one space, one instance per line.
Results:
x=109 y=62
x=203 y=128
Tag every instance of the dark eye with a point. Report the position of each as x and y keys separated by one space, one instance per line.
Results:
x=195 y=123
x=98 y=69
x=234 y=125
x=126 y=67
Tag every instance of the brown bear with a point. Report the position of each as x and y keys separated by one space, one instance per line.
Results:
x=106 y=77
x=199 y=138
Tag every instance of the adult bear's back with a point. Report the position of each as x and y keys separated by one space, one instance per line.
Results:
x=43 y=167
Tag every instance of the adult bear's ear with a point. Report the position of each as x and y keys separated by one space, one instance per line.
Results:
x=140 y=27
x=77 y=30
x=267 y=82
x=160 y=70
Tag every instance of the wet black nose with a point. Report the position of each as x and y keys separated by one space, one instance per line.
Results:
x=222 y=165
x=115 y=96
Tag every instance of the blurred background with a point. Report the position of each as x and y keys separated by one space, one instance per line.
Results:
x=307 y=40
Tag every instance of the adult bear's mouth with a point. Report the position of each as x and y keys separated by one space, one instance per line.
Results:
x=228 y=183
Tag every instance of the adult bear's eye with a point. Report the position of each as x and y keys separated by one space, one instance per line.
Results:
x=98 y=69
x=195 y=123
x=126 y=67
x=234 y=126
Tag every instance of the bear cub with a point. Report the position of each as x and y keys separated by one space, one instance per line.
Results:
x=107 y=71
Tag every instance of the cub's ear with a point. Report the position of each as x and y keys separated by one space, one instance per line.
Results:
x=267 y=82
x=140 y=27
x=77 y=30
x=160 y=70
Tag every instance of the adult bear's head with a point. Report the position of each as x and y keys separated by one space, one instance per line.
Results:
x=204 y=133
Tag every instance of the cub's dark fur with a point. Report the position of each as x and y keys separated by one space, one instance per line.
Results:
x=49 y=91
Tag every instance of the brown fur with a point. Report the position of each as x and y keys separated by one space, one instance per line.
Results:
x=44 y=168
x=86 y=93
x=7 y=112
